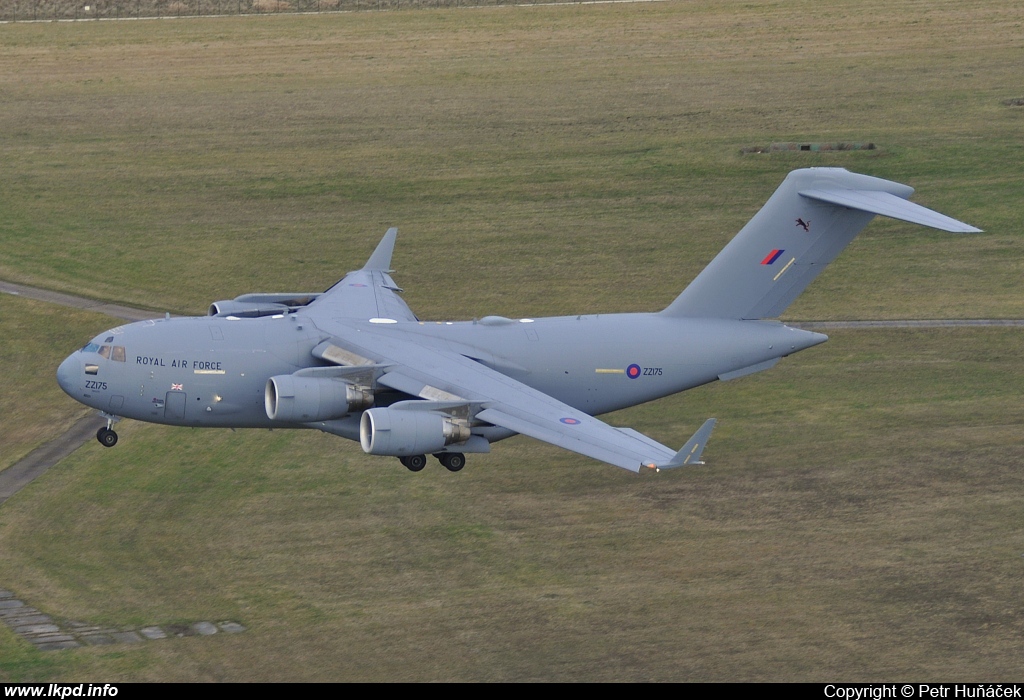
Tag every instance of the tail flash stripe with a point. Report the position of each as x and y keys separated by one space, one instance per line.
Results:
x=783 y=270
x=773 y=256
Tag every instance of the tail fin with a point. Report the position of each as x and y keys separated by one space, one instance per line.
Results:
x=813 y=215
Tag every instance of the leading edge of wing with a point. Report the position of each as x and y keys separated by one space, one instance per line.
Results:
x=431 y=373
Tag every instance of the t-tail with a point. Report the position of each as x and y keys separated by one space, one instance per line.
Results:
x=813 y=215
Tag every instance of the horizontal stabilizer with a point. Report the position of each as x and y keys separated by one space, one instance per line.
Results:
x=886 y=204
x=693 y=449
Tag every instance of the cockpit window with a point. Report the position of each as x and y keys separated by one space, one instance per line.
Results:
x=110 y=352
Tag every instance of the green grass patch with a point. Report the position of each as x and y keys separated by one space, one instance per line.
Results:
x=167 y=163
x=34 y=339
x=857 y=519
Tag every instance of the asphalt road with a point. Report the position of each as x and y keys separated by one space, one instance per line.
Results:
x=123 y=312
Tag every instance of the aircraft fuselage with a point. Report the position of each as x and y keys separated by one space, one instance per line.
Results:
x=213 y=371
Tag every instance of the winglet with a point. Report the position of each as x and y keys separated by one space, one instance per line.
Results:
x=381 y=258
x=692 y=450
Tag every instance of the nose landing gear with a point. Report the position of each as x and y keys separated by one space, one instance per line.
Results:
x=106 y=435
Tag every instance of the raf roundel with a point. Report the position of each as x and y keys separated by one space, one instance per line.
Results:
x=633 y=371
x=569 y=421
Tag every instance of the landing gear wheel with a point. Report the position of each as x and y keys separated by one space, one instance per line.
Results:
x=452 y=461
x=107 y=437
x=414 y=463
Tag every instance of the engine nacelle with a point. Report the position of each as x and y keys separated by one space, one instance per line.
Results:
x=294 y=399
x=400 y=433
x=245 y=309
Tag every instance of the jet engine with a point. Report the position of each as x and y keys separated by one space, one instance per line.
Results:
x=294 y=399
x=405 y=432
x=245 y=309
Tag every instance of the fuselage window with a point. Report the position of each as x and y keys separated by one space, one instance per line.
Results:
x=117 y=353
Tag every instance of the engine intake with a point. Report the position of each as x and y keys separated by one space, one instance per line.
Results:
x=294 y=399
x=404 y=432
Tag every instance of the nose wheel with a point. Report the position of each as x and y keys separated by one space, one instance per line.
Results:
x=107 y=437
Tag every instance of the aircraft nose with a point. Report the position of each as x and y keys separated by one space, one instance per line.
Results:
x=68 y=373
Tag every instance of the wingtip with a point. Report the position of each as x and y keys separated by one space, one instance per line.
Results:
x=691 y=452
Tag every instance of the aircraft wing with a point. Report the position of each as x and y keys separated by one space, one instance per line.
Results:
x=368 y=292
x=445 y=376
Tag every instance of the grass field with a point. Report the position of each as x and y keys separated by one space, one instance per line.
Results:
x=859 y=517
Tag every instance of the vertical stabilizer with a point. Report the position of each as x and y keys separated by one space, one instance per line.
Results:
x=812 y=216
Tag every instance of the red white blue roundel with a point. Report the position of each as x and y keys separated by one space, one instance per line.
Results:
x=633 y=371
x=569 y=421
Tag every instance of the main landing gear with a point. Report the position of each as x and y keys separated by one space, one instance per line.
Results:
x=414 y=463
x=106 y=434
x=452 y=461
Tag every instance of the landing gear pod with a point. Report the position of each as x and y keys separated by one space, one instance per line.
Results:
x=402 y=433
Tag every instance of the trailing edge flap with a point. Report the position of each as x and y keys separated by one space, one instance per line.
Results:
x=414 y=387
x=329 y=352
x=456 y=409
x=887 y=204
x=361 y=374
x=693 y=449
x=759 y=367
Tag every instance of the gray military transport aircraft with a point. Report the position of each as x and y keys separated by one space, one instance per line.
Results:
x=355 y=361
